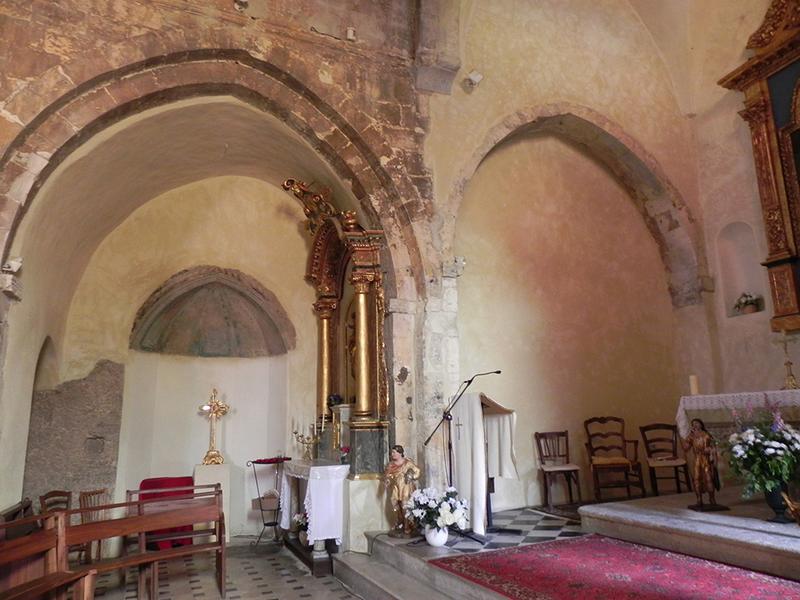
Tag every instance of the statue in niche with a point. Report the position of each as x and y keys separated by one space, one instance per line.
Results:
x=350 y=357
x=705 y=476
x=400 y=478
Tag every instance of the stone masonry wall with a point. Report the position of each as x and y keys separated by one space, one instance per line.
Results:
x=74 y=434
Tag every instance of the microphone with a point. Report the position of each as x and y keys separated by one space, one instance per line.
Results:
x=481 y=374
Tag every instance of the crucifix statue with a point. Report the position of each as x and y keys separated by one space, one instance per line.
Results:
x=214 y=409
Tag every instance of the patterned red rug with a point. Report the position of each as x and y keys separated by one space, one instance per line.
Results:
x=593 y=567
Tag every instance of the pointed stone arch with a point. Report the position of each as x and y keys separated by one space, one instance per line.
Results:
x=660 y=204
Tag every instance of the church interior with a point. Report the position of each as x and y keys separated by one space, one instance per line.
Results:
x=296 y=262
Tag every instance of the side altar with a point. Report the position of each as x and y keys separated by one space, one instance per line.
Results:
x=320 y=483
x=716 y=410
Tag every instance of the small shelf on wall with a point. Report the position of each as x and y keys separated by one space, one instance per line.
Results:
x=739 y=269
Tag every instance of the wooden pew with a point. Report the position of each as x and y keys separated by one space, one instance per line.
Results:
x=19 y=511
x=197 y=505
x=34 y=565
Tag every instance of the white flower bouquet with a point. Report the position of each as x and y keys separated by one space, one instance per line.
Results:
x=765 y=455
x=431 y=508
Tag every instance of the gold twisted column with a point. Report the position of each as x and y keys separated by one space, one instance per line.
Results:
x=326 y=368
x=363 y=409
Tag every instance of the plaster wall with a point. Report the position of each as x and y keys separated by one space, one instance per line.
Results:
x=231 y=222
x=163 y=435
x=749 y=358
x=554 y=53
x=563 y=290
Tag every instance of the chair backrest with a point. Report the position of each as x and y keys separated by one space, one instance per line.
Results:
x=553 y=447
x=605 y=436
x=55 y=500
x=91 y=499
x=660 y=440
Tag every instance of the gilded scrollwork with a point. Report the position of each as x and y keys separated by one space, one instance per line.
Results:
x=782 y=15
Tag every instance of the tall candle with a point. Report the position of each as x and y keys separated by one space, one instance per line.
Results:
x=323 y=422
x=694 y=387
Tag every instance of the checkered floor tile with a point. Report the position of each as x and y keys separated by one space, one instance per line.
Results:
x=267 y=571
x=518 y=527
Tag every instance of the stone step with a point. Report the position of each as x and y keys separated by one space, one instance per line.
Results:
x=372 y=579
x=413 y=563
x=741 y=536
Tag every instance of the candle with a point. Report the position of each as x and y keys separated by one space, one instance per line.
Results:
x=694 y=387
x=323 y=421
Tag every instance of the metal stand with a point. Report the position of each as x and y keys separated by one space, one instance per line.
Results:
x=447 y=418
x=272 y=520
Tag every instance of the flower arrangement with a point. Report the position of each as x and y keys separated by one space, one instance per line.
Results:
x=765 y=454
x=300 y=521
x=430 y=508
x=344 y=452
x=745 y=300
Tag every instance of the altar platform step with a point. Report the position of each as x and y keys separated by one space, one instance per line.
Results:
x=395 y=571
x=741 y=537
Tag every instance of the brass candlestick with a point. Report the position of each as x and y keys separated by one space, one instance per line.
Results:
x=215 y=409
x=307 y=442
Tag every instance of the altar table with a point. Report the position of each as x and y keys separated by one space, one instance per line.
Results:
x=715 y=409
x=324 y=497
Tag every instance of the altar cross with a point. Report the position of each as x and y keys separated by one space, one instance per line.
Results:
x=459 y=424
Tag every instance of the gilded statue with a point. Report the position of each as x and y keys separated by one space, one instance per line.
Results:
x=705 y=477
x=400 y=478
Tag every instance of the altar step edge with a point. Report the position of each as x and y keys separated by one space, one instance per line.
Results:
x=393 y=572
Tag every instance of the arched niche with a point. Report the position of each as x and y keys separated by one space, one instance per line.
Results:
x=739 y=270
x=209 y=311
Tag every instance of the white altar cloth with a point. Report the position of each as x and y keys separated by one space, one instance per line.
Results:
x=740 y=400
x=324 y=499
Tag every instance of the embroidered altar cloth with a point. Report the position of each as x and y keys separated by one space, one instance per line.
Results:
x=718 y=407
x=324 y=498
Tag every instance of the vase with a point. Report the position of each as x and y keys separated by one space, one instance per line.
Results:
x=778 y=506
x=303 y=536
x=435 y=537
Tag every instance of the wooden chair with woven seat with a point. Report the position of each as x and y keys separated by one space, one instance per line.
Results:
x=661 y=447
x=611 y=454
x=88 y=500
x=553 y=448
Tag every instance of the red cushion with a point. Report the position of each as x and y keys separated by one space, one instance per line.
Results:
x=156 y=483
x=270 y=461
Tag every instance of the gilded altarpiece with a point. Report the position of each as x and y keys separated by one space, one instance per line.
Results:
x=770 y=81
x=344 y=268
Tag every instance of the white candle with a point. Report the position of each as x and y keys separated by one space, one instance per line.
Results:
x=323 y=422
x=694 y=387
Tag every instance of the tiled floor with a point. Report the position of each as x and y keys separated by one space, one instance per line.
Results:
x=267 y=572
x=270 y=572
x=532 y=527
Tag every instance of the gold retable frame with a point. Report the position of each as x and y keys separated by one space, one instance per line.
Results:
x=340 y=246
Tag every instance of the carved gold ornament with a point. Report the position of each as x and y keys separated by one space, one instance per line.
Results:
x=214 y=409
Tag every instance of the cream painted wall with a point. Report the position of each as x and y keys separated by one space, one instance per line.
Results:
x=563 y=290
x=232 y=222
x=586 y=53
x=162 y=434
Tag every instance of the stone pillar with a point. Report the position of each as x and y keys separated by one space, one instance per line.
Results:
x=326 y=354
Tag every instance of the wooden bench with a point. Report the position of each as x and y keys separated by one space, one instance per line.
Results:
x=34 y=565
x=17 y=512
x=198 y=505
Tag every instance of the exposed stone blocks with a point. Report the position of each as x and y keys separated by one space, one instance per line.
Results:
x=74 y=434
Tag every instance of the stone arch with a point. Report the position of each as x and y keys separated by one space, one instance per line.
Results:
x=237 y=297
x=662 y=208
x=356 y=152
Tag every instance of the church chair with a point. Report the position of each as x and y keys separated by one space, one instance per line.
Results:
x=55 y=500
x=661 y=447
x=611 y=454
x=91 y=500
x=553 y=448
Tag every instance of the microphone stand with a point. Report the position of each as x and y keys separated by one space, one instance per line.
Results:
x=447 y=417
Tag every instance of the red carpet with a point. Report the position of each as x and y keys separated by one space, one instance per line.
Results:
x=593 y=567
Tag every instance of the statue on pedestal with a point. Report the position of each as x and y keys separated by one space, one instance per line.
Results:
x=705 y=477
x=400 y=479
